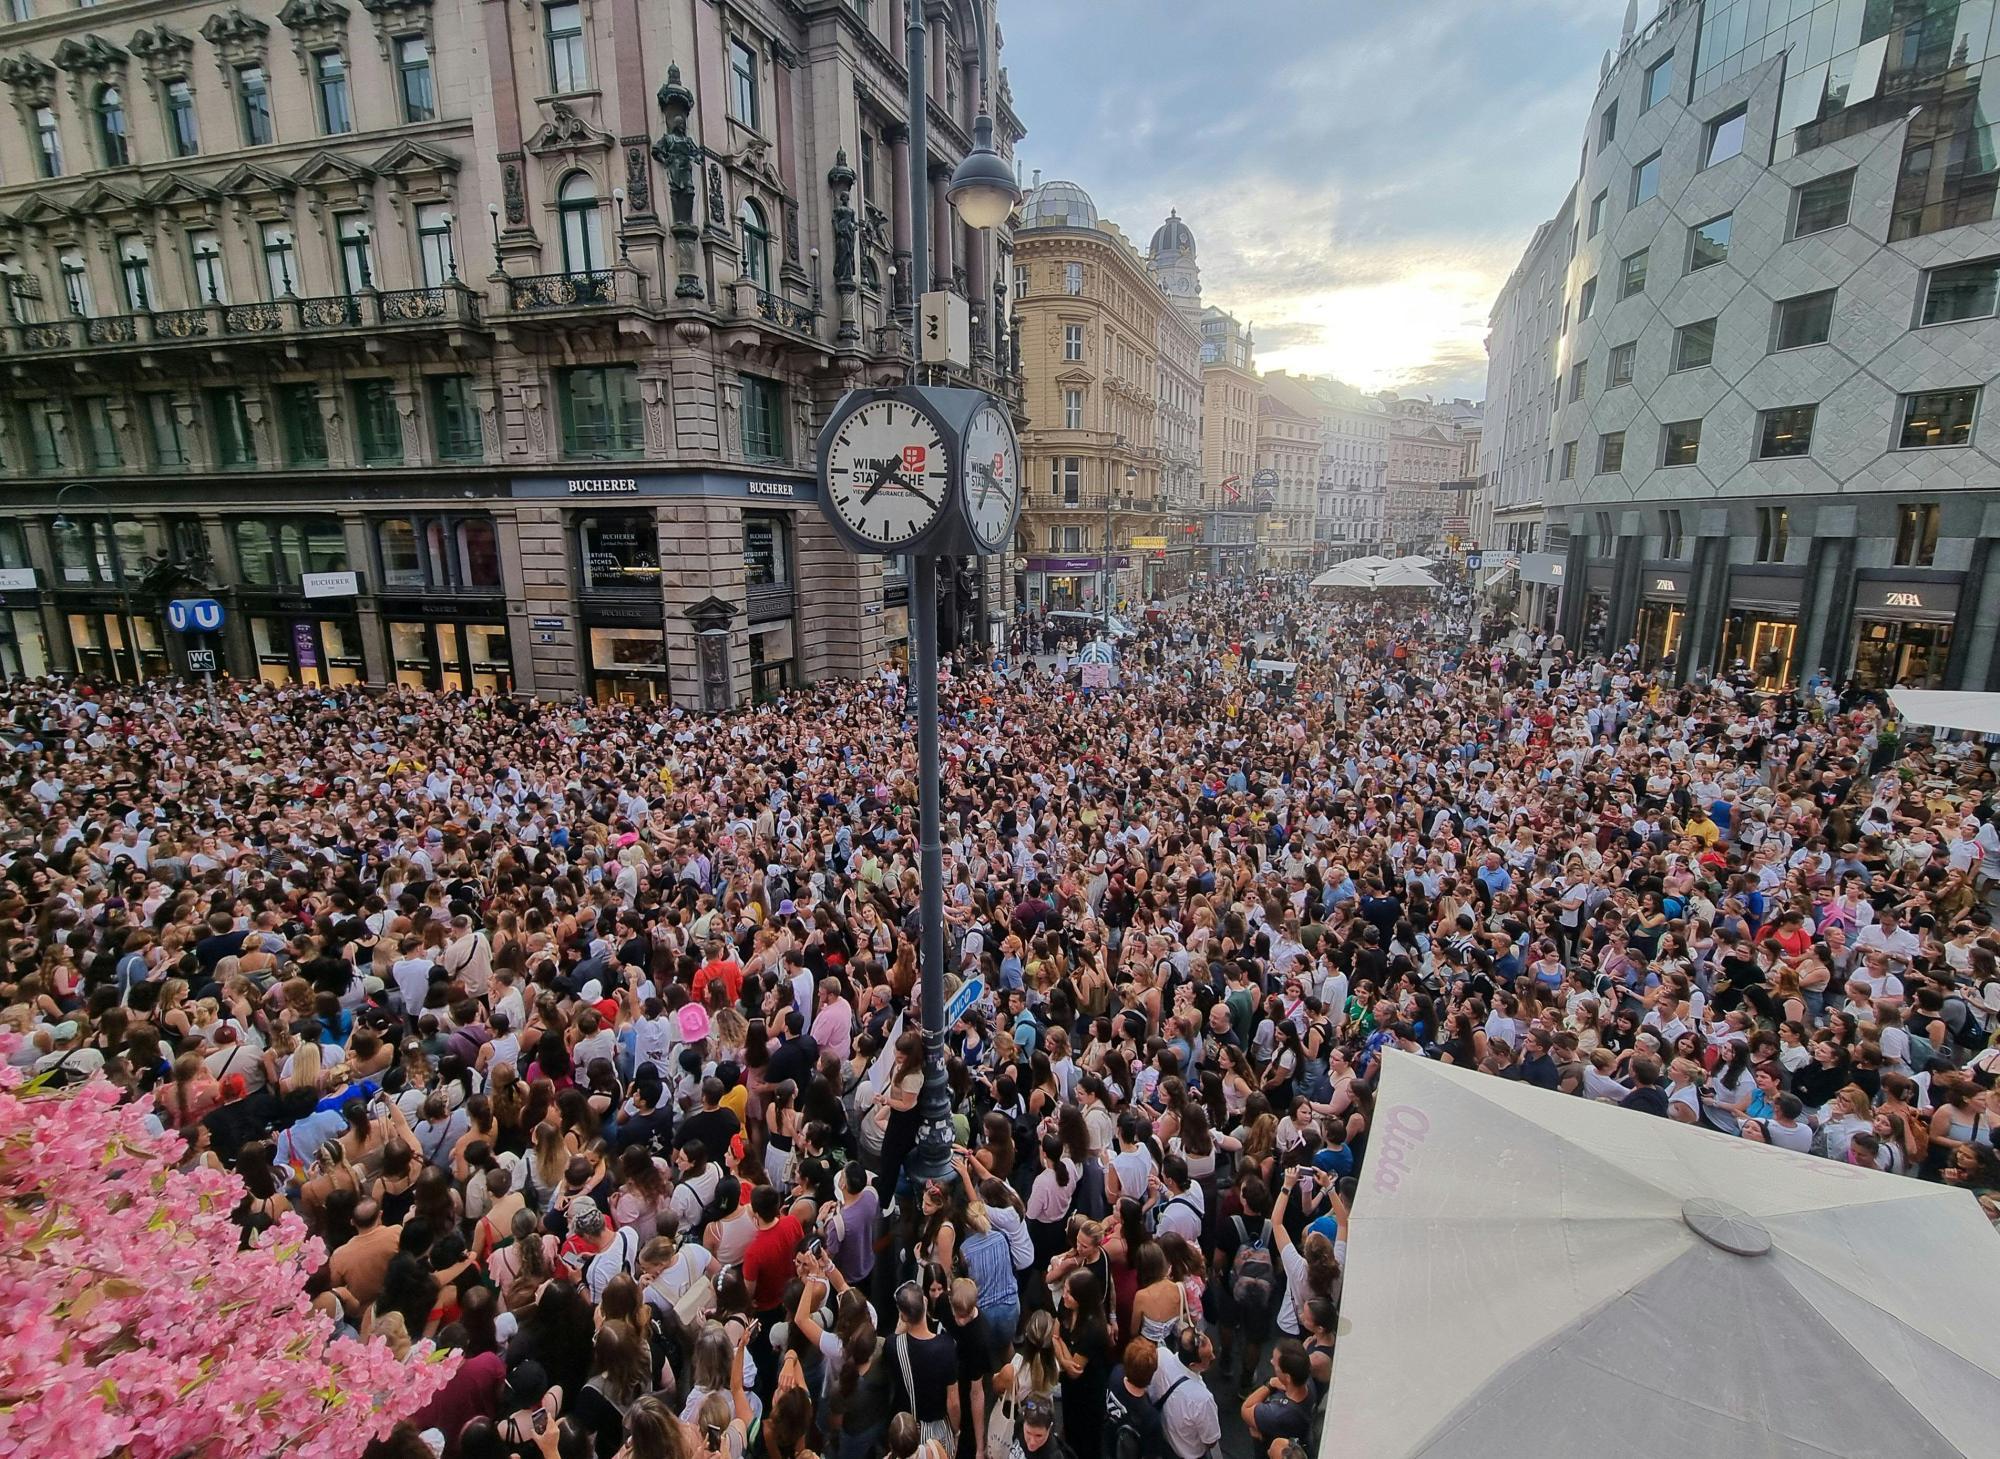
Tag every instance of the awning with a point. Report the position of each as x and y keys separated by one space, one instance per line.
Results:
x=1543 y=567
x=1960 y=709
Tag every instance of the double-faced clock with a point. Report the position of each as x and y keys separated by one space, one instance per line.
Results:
x=888 y=472
x=992 y=476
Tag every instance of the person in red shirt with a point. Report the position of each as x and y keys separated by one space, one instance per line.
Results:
x=767 y=1261
x=719 y=967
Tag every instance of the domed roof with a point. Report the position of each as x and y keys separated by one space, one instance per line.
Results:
x=1173 y=236
x=1058 y=205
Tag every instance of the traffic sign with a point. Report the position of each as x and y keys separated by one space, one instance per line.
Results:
x=201 y=661
x=1097 y=651
x=969 y=992
x=194 y=615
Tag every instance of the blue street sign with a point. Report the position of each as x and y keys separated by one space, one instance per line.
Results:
x=1097 y=651
x=194 y=615
x=1472 y=560
x=969 y=992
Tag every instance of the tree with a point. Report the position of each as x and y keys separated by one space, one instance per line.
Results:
x=133 y=1324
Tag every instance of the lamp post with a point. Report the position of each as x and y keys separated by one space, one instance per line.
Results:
x=450 y=252
x=984 y=194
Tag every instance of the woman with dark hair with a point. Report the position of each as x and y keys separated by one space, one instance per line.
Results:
x=1083 y=1351
x=264 y=1198
x=906 y=1082
x=618 y=1379
x=558 y=1332
x=552 y=1061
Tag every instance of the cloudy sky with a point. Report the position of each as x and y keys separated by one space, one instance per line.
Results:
x=1361 y=175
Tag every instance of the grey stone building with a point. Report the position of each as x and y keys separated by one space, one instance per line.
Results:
x=472 y=345
x=1778 y=329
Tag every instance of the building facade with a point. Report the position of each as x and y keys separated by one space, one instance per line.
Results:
x=1092 y=318
x=1230 y=388
x=1171 y=259
x=1425 y=454
x=1290 y=466
x=1517 y=461
x=1771 y=445
x=473 y=346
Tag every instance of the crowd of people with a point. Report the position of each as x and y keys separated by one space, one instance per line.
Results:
x=587 y=1040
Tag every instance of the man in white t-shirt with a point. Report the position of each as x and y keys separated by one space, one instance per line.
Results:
x=1886 y=934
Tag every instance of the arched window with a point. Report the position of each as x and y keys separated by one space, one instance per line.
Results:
x=582 y=224
x=111 y=127
x=756 y=245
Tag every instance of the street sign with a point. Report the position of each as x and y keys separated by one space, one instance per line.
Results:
x=1097 y=651
x=1149 y=544
x=1472 y=561
x=1459 y=525
x=201 y=661
x=194 y=615
x=969 y=992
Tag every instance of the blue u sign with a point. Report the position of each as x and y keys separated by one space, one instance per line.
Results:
x=194 y=615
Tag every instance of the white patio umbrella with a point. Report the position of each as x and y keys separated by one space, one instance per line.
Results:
x=1533 y=1274
x=1370 y=560
x=1417 y=559
x=1404 y=573
x=1962 y=709
x=1346 y=575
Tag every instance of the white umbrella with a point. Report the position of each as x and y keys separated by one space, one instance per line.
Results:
x=1531 y=1273
x=1404 y=574
x=1369 y=561
x=1962 y=709
x=1346 y=575
x=1418 y=560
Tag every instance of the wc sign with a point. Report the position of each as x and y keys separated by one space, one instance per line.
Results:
x=194 y=615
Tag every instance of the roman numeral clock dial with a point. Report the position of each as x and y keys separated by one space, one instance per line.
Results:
x=888 y=473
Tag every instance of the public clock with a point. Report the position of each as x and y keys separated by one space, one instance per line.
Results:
x=888 y=472
x=992 y=477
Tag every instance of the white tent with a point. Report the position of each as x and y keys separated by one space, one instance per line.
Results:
x=1417 y=560
x=1371 y=560
x=1960 y=709
x=1346 y=575
x=1406 y=573
x=1531 y=1273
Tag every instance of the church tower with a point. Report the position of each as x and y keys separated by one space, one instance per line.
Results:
x=1171 y=259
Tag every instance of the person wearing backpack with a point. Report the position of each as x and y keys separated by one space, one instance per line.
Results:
x=1133 y=1426
x=1246 y=1275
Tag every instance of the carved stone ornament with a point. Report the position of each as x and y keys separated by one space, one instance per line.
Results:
x=718 y=211
x=678 y=153
x=395 y=18
x=638 y=179
x=791 y=231
x=93 y=56
x=513 y=195
x=32 y=80
x=565 y=131
x=315 y=23
x=162 y=50
x=239 y=39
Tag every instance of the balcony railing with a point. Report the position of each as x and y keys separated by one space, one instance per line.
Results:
x=534 y=292
x=789 y=313
x=449 y=304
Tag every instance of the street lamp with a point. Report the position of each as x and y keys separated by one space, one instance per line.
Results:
x=450 y=252
x=985 y=194
x=61 y=522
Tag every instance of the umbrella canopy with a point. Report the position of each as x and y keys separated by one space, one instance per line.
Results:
x=1346 y=575
x=1371 y=560
x=1417 y=560
x=1404 y=574
x=1531 y=1273
x=1961 y=709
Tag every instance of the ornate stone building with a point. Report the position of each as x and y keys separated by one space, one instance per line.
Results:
x=1230 y=389
x=1290 y=442
x=1107 y=359
x=469 y=345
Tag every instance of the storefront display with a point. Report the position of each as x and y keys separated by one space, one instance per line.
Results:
x=1902 y=633
x=1662 y=620
x=307 y=651
x=464 y=657
x=628 y=663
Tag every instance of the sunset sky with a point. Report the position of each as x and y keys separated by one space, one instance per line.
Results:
x=1361 y=175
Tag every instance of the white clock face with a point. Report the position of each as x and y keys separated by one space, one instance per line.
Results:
x=992 y=477
x=888 y=473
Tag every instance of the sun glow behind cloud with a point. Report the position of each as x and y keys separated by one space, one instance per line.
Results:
x=1425 y=329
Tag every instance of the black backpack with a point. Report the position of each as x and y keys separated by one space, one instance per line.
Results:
x=1253 y=1277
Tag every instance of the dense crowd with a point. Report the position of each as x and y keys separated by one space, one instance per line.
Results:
x=586 y=1038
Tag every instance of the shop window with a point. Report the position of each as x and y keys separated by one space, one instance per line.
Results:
x=767 y=555
x=1938 y=418
x=1708 y=243
x=1786 y=432
x=628 y=663
x=442 y=553
x=1774 y=533
x=619 y=550
x=1963 y=291
x=763 y=415
x=1917 y=534
x=600 y=412
x=1806 y=320
x=304 y=429
x=773 y=661
x=456 y=657
x=277 y=554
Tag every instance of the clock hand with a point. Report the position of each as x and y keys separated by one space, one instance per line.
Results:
x=882 y=479
x=985 y=474
x=911 y=488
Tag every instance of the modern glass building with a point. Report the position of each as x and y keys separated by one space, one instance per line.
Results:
x=1770 y=439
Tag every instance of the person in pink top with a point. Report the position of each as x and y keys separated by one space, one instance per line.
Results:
x=833 y=1029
